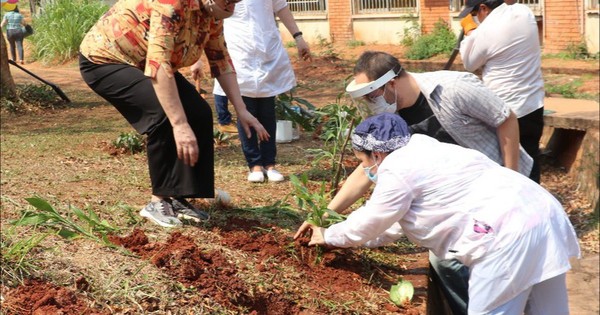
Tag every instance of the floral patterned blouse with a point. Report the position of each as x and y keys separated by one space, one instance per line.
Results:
x=149 y=34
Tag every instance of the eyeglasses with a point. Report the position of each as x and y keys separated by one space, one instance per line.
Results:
x=374 y=94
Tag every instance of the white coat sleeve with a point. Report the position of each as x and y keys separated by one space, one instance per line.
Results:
x=378 y=221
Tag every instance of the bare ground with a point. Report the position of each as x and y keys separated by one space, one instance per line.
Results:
x=232 y=247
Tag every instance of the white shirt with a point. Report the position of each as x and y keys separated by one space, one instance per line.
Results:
x=436 y=193
x=506 y=45
x=261 y=62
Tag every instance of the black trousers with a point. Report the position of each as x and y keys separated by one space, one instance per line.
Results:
x=531 y=127
x=132 y=94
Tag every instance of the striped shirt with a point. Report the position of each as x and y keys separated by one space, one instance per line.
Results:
x=13 y=20
x=469 y=112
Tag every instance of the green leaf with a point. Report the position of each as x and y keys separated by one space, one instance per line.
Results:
x=68 y=234
x=40 y=204
x=31 y=218
x=82 y=216
x=402 y=292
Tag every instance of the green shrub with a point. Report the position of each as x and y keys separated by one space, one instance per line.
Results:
x=61 y=26
x=411 y=34
x=131 y=142
x=441 y=41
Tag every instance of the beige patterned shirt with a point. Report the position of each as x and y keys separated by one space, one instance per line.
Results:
x=149 y=34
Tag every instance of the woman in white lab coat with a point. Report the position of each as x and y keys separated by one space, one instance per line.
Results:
x=513 y=235
x=263 y=70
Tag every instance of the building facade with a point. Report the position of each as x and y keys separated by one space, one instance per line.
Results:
x=562 y=23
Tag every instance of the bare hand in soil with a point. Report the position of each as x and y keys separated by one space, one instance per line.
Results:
x=317 y=237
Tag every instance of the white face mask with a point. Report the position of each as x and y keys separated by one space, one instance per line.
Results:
x=379 y=105
x=215 y=10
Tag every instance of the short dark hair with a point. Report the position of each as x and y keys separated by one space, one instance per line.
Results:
x=375 y=64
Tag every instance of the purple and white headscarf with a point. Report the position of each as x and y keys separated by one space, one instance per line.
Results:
x=381 y=133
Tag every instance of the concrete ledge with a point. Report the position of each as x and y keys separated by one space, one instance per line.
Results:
x=571 y=135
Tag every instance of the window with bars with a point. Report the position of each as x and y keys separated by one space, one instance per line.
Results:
x=534 y=5
x=384 y=6
x=307 y=7
x=593 y=4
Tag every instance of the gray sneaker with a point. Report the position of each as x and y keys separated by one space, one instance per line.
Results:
x=161 y=212
x=186 y=211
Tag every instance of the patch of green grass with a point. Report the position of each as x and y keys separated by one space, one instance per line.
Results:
x=290 y=44
x=355 y=43
x=575 y=51
x=567 y=90
x=17 y=261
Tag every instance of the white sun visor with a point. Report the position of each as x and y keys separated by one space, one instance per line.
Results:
x=360 y=89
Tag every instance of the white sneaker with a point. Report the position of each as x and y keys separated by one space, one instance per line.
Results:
x=256 y=177
x=274 y=176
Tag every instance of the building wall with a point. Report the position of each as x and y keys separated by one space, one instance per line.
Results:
x=563 y=24
x=340 y=20
x=393 y=34
x=431 y=12
x=592 y=31
x=314 y=30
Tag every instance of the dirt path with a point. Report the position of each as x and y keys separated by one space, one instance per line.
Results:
x=582 y=280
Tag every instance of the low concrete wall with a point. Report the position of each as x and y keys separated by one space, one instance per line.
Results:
x=573 y=138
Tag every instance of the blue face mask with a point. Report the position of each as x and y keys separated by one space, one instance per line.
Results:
x=371 y=177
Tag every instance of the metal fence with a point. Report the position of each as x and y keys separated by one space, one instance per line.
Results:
x=384 y=6
x=307 y=7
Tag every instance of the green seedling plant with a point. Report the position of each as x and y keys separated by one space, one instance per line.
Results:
x=130 y=141
x=221 y=138
x=295 y=109
x=337 y=121
x=45 y=215
x=315 y=204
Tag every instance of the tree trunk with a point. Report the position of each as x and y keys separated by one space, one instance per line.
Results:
x=8 y=88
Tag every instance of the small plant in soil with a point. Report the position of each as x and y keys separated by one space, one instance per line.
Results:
x=131 y=142
x=45 y=215
x=336 y=121
x=221 y=138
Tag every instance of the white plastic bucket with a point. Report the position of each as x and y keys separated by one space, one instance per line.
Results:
x=284 y=131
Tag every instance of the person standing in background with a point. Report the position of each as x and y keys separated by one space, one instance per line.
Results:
x=505 y=44
x=263 y=71
x=14 y=22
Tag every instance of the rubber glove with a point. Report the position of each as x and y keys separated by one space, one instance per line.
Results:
x=468 y=24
